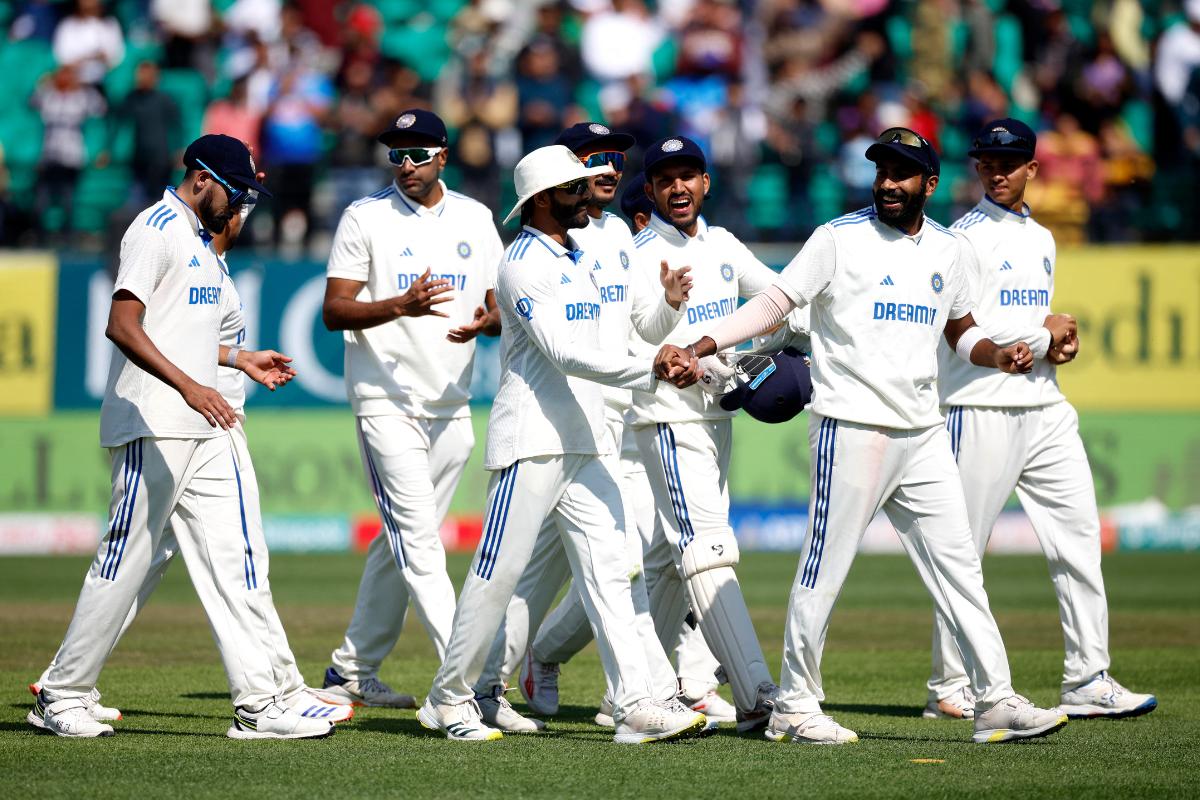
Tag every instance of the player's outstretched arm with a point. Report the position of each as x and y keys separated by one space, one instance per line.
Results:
x=486 y=321
x=342 y=312
x=267 y=367
x=126 y=332
x=972 y=345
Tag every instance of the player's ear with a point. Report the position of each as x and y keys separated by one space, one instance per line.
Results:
x=442 y=157
x=1032 y=167
x=930 y=185
x=707 y=183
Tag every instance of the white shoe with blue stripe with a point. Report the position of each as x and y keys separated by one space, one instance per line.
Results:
x=362 y=692
x=461 y=722
x=276 y=721
x=1104 y=697
x=306 y=703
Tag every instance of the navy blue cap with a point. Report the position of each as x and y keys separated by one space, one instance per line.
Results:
x=634 y=200
x=416 y=122
x=670 y=149
x=778 y=397
x=1004 y=136
x=228 y=157
x=593 y=137
x=920 y=153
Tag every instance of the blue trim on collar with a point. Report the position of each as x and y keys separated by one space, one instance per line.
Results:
x=663 y=227
x=197 y=225
x=416 y=210
x=1024 y=215
x=554 y=247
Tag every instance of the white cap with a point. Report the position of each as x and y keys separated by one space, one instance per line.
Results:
x=547 y=167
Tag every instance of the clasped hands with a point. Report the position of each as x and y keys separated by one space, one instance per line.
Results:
x=679 y=366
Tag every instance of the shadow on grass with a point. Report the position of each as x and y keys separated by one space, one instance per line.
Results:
x=877 y=709
x=205 y=696
x=140 y=712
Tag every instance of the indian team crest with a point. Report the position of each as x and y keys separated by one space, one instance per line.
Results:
x=672 y=146
x=406 y=121
x=464 y=250
x=624 y=260
x=727 y=272
x=937 y=282
x=599 y=129
x=1046 y=263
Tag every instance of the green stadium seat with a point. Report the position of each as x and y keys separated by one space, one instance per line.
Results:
x=769 y=196
x=1007 y=63
x=421 y=46
x=190 y=93
x=119 y=80
x=21 y=133
x=445 y=10
x=1139 y=117
x=23 y=64
x=398 y=11
x=826 y=193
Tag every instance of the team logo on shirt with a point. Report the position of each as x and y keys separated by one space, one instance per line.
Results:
x=524 y=308
x=624 y=260
x=407 y=252
x=1046 y=263
x=195 y=262
x=937 y=282
x=727 y=272
x=464 y=250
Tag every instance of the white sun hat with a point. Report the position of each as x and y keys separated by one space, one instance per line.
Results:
x=547 y=167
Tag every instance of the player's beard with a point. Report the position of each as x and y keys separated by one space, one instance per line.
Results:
x=570 y=215
x=911 y=205
x=214 y=221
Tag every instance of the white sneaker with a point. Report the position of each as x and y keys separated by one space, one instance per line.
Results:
x=71 y=718
x=1016 y=718
x=713 y=706
x=363 y=692
x=462 y=722
x=657 y=720
x=276 y=721
x=758 y=716
x=99 y=712
x=959 y=705
x=808 y=728
x=604 y=716
x=539 y=685
x=499 y=713
x=1104 y=697
x=307 y=703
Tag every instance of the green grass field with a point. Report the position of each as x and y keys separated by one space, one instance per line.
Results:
x=166 y=678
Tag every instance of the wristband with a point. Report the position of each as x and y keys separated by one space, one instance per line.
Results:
x=966 y=343
x=231 y=357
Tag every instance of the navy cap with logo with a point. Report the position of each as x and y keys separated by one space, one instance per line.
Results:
x=1004 y=136
x=416 y=122
x=672 y=148
x=775 y=395
x=592 y=137
x=227 y=158
x=634 y=200
x=910 y=146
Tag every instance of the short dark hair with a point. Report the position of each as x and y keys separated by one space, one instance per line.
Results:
x=527 y=212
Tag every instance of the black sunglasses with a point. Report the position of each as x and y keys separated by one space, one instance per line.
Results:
x=577 y=187
x=236 y=196
x=902 y=135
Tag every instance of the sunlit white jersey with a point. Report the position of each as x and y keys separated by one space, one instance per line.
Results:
x=387 y=241
x=880 y=300
x=231 y=383
x=1012 y=286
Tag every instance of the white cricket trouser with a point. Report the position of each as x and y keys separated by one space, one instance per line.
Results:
x=567 y=630
x=273 y=637
x=413 y=466
x=580 y=494
x=195 y=485
x=911 y=475
x=1037 y=452
x=687 y=464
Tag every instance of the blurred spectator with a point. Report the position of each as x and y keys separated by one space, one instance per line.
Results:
x=1127 y=172
x=543 y=93
x=260 y=18
x=619 y=42
x=857 y=174
x=89 y=41
x=185 y=25
x=1104 y=84
x=157 y=137
x=34 y=19
x=235 y=116
x=360 y=42
x=1070 y=181
x=292 y=147
x=360 y=114
x=64 y=104
x=550 y=25
x=1178 y=55
x=711 y=41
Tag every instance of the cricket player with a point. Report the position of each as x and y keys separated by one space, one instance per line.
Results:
x=293 y=691
x=551 y=458
x=410 y=283
x=629 y=309
x=885 y=284
x=166 y=428
x=686 y=438
x=1019 y=432
x=566 y=630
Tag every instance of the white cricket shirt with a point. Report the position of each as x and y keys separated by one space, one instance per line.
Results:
x=387 y=241
x=549 y=401
x=723 y=270
x=1011 y=281
x=880 y=300
x=166 y=263
x=231 y=383
x=634 y=313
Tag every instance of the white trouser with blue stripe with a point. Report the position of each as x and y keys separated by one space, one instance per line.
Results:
x=283 y=662
x=194 y=486
x=687 y=464
x=1038 y=453
x=412 y=467
x=858 y=470
x=567 y=630
x=580 y=495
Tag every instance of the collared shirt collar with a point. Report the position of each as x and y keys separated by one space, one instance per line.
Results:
x=915 y=238
x=419 y=210
x=170 y=196
x=1000 y=212
x=673 y=234
x=554 y=247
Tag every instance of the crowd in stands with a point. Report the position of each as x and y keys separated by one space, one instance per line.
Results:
x=784 y=95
